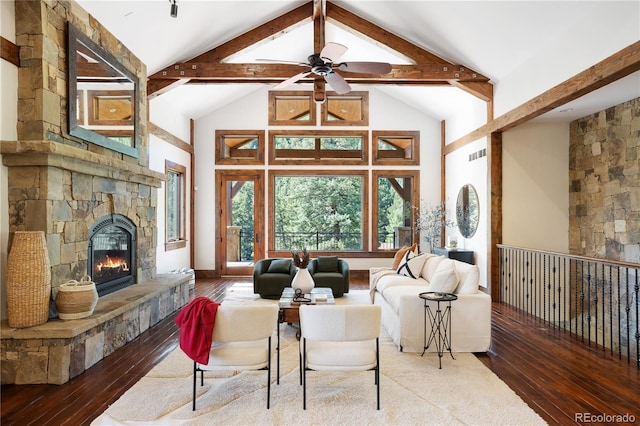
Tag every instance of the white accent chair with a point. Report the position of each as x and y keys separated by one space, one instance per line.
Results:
x=339 y=338
x=241 y=341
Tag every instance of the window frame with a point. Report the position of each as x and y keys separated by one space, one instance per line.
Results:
x=364 y=108
x=220 y=136
x=272 y=252
x=275 y=95
x=415 y=203
x=317 y=158
x=413 y=148
x=181 y=241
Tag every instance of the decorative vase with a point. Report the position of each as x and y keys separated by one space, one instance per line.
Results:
x=28 y=280
x=303 y=281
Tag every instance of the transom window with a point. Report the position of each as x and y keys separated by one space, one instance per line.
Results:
x=396 y=148
x=239 y=147
x=326 y=147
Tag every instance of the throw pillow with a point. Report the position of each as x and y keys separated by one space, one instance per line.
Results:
x=327 y=263
x=411 y=264
x=444 y=280
x=400 y=255
x=279 y=266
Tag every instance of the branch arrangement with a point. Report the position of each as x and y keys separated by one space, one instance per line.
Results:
x=300 y=258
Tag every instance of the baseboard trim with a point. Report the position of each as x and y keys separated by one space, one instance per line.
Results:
x=207 y=273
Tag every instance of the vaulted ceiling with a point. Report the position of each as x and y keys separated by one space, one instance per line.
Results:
x=445 y=54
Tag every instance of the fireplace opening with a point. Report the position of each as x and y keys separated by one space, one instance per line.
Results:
x=112 y=255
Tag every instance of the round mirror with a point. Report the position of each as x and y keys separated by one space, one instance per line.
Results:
x=467 y=211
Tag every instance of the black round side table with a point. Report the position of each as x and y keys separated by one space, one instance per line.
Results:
x=440 y=322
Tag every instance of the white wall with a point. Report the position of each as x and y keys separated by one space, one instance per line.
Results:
x=162 y=115
x=8 y=132
x=611 y=28
x=535 y=188
x=460 y=171
x=251 y=112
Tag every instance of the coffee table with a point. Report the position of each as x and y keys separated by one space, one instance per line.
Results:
x=290 y=309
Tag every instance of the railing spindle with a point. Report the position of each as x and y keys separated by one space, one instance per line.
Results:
x=576 y=294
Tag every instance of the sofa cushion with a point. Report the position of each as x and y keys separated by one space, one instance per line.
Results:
x=400 y=255
x=279 y=266
x=445 y=279
x=469 y=277
x=327 y=263
x=430 y=266
x=411 y=264
x=394 y=280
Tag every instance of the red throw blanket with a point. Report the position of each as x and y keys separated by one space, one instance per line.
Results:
x=196 y=321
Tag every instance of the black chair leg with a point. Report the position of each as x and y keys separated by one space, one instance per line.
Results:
x=269 y=375
x=378 y=372
x=303 y=371
x=195 y=378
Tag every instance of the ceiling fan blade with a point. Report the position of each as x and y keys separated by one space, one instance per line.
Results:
x=332 y=51
x=277 y=61
x=366 y=67
x=292 y=80
x=337 y=83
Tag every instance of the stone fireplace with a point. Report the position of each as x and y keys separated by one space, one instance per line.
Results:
x=61 y=184
x=93 y=203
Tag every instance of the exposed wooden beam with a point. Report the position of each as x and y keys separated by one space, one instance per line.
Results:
x=278 y=72
x=169 y=137
x=351 y=22
x=429 y=69
x=494 y=213
x=615 y=67
x=9 y=51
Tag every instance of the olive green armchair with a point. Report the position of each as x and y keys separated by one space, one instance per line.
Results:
x=271 y=276
x=331 y=272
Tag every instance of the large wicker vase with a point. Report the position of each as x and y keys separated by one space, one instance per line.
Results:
x=28 y=280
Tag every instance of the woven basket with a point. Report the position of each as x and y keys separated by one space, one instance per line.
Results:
x=76 y=299
x=28 y=280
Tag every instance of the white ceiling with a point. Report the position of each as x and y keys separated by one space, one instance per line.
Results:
x=454 y=30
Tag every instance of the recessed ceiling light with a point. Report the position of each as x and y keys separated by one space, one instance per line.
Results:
x=565 y=110
x=128 y=13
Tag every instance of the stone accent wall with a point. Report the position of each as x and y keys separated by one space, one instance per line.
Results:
x=604 y=174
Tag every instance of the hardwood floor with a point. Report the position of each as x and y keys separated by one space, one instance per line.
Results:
x=557 y=376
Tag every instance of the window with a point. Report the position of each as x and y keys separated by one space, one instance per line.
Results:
x=351 y=109
x=396 y=148
x=395 y=194
x=239 y=147
x=175 y=206
x=291 y=108
x=318 y=147
x=319 y=210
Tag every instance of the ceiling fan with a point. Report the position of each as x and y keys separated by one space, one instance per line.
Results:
x=322 y=64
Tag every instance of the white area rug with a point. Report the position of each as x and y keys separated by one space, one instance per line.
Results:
x=413 y=391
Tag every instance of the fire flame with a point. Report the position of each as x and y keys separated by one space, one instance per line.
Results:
x=112 y=264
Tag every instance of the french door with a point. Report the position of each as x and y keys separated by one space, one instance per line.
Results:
x=240 y=228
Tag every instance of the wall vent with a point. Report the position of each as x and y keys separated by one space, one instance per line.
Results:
x=478 y=154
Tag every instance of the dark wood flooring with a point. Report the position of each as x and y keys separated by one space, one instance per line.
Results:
x=558 y=377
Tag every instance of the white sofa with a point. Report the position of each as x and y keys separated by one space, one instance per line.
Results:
x=403 y=311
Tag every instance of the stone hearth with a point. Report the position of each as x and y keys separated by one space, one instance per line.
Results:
x=59 y=350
